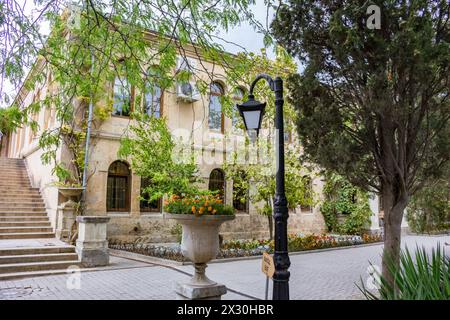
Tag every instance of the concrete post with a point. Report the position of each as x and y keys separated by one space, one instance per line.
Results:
x=92 y=245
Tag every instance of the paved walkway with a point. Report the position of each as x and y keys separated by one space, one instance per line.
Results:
x=322 y=275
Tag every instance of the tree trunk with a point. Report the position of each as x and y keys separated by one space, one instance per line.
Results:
x=394 y=207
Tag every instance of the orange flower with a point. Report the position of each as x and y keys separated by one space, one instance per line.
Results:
x=201 y=210
x=193 y=209
x=206 y=203
x=214 y=211
x=209 y=208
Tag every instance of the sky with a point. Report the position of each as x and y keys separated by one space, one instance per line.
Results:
x=243 y=35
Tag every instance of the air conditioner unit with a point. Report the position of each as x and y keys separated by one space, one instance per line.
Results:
x=186 y=64
x=187 y=91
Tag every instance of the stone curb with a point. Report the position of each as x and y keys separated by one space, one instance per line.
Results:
x=173 y=263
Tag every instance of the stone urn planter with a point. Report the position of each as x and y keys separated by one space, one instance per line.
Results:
x=71 y=193
x=200 y=244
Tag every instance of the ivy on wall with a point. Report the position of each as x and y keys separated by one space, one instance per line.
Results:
x=345 y=207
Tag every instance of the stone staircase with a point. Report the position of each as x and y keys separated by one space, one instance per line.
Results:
x=27 y=242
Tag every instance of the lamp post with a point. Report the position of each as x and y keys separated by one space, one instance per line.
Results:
x=252 y=112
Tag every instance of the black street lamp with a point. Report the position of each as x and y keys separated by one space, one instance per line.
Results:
x=252 y=112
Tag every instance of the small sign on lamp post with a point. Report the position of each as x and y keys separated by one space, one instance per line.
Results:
x=268 y=268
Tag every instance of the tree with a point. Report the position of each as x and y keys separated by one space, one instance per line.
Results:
x=373 y=104
x=91 y=45
x=150 y=144
x=261 y=177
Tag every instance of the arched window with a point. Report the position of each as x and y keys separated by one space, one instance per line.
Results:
x=145 y=204
x=118 y=188
x=215 y=107
x=122 y=97
x=217 y=182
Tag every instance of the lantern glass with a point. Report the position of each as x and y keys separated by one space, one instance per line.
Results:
x=252 y=112
x=252 y=119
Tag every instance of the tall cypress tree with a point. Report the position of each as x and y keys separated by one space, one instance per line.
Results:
x=373 y=103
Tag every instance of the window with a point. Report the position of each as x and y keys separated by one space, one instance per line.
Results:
x=215 y=108
x=152 y=100
x=217 y=182
x=240 y=195
x=237 y=96
x=122 y=98
x=145 y=205
x=118 y=188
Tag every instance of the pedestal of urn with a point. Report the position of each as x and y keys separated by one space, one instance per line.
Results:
x=200 y=244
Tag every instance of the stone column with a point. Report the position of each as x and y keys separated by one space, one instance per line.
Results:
x=66 y=218
x=92 y=245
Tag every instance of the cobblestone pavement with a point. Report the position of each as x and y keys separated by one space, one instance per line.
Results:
x=321 y=275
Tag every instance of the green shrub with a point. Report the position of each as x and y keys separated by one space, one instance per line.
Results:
x=429 y=209
x=419 y=277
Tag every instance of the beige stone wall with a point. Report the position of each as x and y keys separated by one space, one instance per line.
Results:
x=132 y=225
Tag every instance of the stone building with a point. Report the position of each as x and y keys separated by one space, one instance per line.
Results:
x=113 y=189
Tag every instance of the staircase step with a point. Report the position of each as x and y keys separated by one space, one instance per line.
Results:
x=36 y=250
x=28 y=201
x=29 y=196
x=15 y=177
x=42 y=218
x=25 y=184
x=7 y=224
x=36 y=266
x=24 y=229
x=45 y=257
x=15 y=190
x=28 y=235
x=23 y=214
x=22 y=195
x=22 y=204
x=23 y=209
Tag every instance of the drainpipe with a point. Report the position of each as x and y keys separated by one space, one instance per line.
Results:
x=88 y=133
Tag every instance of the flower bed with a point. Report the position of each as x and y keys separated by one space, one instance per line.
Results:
x=248 y=248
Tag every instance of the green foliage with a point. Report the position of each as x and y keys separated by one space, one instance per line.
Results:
x=429 y=209
x=10 y=119
x=261 y=173
x=155 y=155
x=342 y=199
x=133 y=40
x=419 y=276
